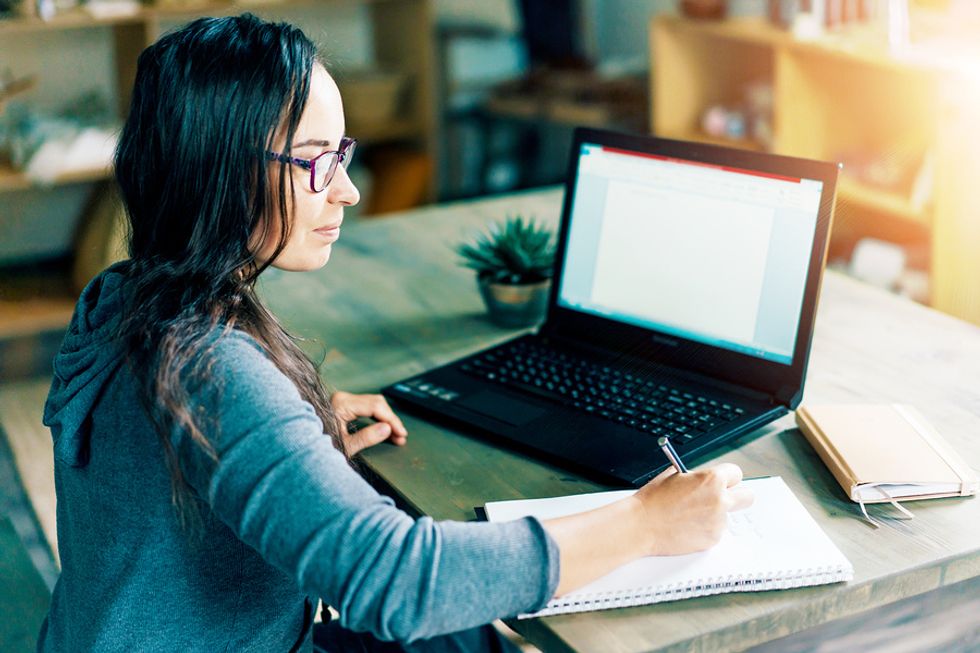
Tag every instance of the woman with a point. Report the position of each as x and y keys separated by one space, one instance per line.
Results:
x=205 y=495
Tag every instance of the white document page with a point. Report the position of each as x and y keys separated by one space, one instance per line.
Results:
x=683 y=259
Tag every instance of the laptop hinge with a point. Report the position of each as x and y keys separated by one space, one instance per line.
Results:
x=788 y=396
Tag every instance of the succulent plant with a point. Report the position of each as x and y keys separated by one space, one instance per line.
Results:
x=513 y=251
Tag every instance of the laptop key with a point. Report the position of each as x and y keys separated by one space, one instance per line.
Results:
x=537 y=391
x=620 y=397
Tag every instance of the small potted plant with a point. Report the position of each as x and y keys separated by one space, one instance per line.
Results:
x=513 y=263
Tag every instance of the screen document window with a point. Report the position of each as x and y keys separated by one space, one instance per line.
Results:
x=712 y=254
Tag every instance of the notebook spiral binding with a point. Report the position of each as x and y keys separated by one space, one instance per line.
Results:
x=785 y=579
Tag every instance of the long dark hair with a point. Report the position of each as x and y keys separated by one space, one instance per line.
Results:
x=207 y=102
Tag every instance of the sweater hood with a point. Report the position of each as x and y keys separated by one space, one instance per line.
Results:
x=89 y=357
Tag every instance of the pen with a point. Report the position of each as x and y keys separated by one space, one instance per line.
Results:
x=672 y=454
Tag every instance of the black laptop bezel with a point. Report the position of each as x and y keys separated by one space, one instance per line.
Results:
x=782 y=382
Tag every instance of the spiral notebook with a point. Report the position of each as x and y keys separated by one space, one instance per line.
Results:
x=774 y=544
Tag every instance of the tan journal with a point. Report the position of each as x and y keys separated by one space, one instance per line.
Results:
x=880 y=452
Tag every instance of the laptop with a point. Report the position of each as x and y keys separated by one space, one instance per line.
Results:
x=682 y=304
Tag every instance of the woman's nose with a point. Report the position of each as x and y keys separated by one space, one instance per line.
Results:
x=342 y=190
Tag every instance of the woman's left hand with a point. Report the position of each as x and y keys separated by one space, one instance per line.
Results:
x=349 y=407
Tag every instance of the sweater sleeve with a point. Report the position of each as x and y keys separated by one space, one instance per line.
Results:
x=282 y=487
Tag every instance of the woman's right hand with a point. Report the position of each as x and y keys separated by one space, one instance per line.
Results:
x=685 y=513
x=672 y=514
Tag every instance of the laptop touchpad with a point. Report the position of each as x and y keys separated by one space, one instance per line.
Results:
x=501 y=407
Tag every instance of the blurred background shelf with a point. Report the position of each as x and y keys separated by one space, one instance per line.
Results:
x=399 y=32
x=36 y=304
x=901 y=120
x=79 y=49
x=856 y=193
x=13 y=180
x=28 y=316
x=35 y=298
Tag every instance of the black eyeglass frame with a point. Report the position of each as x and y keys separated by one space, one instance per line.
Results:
x=341 y=156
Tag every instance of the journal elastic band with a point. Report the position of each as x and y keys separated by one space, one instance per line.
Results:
x=905 y=511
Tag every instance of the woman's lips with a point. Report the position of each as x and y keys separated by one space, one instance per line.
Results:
x=331 y=233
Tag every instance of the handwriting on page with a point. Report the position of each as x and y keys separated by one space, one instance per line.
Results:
x=740 y=524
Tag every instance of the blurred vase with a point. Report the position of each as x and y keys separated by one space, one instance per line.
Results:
x=515 y=305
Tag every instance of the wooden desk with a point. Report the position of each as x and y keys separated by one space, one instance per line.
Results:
x=392 y=302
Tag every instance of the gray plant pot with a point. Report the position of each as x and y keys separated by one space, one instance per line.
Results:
x=515 y=306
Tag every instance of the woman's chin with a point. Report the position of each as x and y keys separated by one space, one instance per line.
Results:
x=313 y=261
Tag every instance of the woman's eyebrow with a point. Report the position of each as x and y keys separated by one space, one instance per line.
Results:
x=312 y=141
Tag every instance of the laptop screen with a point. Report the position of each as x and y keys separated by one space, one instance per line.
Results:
x=713 y=254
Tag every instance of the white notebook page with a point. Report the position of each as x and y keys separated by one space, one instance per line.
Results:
x=773 y=544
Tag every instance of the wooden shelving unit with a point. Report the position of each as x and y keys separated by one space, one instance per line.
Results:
x=854 y=193
x=839 y=95
x=402 y=40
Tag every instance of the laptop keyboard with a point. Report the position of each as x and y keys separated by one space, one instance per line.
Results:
x=646 y=405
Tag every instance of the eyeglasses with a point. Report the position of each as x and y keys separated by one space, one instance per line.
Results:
x=323 y=166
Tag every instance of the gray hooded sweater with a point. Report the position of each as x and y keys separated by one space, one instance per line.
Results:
x=286 y=519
